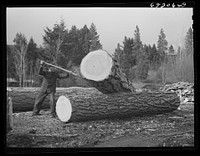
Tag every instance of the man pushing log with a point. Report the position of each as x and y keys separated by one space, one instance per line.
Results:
x=50 y=76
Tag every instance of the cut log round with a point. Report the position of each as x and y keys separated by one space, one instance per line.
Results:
x=103 y=72
x=96 y=65
x=103 y=106
x=63 y=108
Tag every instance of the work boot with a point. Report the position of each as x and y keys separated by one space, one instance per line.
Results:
x=53 y=115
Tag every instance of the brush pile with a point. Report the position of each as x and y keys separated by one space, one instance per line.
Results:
x=184 y=90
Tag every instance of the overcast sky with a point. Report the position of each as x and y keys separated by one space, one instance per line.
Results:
x=112 y=23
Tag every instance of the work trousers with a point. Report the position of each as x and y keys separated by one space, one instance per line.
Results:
x=41 y=97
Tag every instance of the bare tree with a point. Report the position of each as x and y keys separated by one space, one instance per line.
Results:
x=20 y=57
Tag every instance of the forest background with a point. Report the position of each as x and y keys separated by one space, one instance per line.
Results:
x=157 y=63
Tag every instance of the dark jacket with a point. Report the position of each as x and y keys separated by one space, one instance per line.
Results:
x=49 y=79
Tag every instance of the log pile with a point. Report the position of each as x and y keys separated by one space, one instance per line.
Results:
x=184 y=90
x=112 y=95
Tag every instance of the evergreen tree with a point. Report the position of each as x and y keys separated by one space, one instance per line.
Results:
x=142 y=56
x=171 y=58
x=94 y=39
x=11 y=70
x=171 y=49
x=127 y=59
x=137 y=50
x=162 y=46
x=162 y=49
x=53 y=40
x=32 y=56
x=118 y=54
x=71 y=47
x=156 y=56
x=189 y=42
x=137 y=38
x=85 y=40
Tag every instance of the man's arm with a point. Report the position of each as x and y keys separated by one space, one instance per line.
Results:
x=41 y=71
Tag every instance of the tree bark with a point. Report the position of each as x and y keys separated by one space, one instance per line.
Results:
x=103 y=72
x=94 y=106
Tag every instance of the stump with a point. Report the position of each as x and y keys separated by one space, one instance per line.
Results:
x=97 y=106
x=103 y=72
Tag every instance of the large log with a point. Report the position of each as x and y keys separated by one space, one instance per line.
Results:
x=103 y=72
x=95 y=106
x=23 y=99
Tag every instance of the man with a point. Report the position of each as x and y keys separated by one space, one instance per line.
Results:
x=48 y=87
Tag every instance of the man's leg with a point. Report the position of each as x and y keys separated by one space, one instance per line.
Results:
x=38 y=102
x=52 y=104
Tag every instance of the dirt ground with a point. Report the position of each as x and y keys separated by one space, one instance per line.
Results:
x=175 y=129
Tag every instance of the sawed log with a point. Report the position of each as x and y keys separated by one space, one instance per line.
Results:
x=95 y=106
x=103 y=72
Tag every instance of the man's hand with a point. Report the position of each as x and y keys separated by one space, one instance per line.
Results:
x=41 y=62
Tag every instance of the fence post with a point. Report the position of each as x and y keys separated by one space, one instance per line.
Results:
x=9 y=113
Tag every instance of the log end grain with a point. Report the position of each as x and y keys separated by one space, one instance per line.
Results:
x=63 y=108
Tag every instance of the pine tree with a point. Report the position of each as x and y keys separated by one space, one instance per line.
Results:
x=118 y=54
x=11 y=70
x=137 y=38
x=189 y=42
x=53 y=40
x=142 y=56
x=86 y=39
x=32 y=56
x=188 y=64
x=171 y=49
x=171 y=58
x=162 y=49
x=137 y=50
x=94 y=38
x=162 y=46
x=127 y=59
x=156 y=57
x=71 y=47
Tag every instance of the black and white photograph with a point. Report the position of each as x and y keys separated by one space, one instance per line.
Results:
x=100 y=77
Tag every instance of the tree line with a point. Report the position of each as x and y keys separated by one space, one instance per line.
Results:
x=66 y=48
x=137 y=59
x=61 y=46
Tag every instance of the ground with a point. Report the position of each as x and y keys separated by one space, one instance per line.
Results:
x=175 y=129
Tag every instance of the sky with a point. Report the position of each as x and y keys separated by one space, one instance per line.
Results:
x=112 y=24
